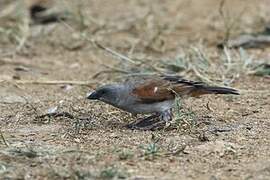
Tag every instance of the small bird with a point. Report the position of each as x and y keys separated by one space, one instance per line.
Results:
x=153 y=95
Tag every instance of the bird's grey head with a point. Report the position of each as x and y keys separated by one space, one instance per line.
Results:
x=109 y=94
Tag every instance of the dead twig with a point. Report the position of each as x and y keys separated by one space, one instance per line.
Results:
x=121 y=56
x=3 y=138
x=7 y=61
x=50 y=82
x=105 y=72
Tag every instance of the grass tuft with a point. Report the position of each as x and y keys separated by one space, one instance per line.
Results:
x=150 y=151
x=125 y=155
x=112 y=172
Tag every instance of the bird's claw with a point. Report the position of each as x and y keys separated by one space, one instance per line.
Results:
x=148 y=123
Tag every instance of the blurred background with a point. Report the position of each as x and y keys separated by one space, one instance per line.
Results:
x=160 y=36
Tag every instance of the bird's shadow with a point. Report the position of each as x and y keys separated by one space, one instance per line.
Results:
x=152 y=122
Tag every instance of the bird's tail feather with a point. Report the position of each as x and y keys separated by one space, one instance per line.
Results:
x=222 y=90
x=213 y=90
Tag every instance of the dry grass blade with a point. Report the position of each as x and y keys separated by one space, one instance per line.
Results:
x=121 y=56
x=200 y=76
x=51 y=82
x=230 y=22
x=117 y=54
x=8 y=10
x=3 y=138
x=19 y=31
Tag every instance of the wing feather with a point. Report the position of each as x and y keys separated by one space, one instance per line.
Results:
x=167 y=87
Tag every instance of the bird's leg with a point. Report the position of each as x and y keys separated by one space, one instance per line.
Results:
x=166 y=115
x=144 y=123
x=153 y=122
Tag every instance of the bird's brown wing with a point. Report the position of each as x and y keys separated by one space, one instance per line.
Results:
x=153 y=91
x=165 y=88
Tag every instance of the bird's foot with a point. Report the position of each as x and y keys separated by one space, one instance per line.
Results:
x=167 y=115
x=153 y=122
x=149 y=123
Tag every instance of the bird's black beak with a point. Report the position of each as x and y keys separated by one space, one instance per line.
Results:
x=94 y=95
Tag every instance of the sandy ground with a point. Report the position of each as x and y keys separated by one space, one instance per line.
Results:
x=228 y=140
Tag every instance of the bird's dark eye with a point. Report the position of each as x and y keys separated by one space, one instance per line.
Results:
x=103 y=91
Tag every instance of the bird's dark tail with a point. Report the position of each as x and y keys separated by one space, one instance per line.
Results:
x=213 y=90
x=221 y=90
x=197 y=88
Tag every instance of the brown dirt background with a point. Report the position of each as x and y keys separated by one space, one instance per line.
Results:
x=97 y=146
